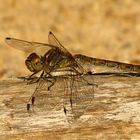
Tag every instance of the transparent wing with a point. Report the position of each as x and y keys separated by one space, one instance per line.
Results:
x=27 y=46
x=72 y=94
x=44 y=99
x=79 y=93
x=54 y=41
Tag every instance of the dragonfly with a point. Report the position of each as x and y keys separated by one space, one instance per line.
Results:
x=57 y=58
x=62 y=58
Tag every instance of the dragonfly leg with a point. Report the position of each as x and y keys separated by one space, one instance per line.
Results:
x=89 y=72
x=52 y=83
x=30 y=77
x=75 y=70
x=36 y=80
x=40 y=76
x=80 y=74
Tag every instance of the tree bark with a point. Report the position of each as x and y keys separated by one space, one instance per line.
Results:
x=113 y=112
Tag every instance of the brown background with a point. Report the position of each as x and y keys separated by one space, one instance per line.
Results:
x=107 y=29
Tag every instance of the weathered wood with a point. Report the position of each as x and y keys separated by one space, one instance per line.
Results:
x=114 y=112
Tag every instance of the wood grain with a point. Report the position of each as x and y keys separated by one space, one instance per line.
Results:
x=114 y=112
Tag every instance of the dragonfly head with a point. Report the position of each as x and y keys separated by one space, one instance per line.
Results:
x=33 y=63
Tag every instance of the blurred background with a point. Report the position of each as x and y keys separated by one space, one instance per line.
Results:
x=108 y=29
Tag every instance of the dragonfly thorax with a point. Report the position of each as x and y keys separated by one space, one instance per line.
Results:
x=55 y=59
x=33 y=63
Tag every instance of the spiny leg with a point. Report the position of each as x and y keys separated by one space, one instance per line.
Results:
x=82 y=74
x=52 y=80
x=37 y=80
x=52 y=83
x=27 y=78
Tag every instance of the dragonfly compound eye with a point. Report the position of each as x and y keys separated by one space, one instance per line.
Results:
x=33 y=63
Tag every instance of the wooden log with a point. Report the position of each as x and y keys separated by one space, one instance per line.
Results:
x=113 y=113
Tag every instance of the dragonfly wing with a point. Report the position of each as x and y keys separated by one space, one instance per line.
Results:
x=37 y=95
x=47 y=100
x=54 y=41
x=73 y=94
x=27 y=46
x=80 y=92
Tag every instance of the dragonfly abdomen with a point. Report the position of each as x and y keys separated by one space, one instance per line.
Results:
x=120 y=66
